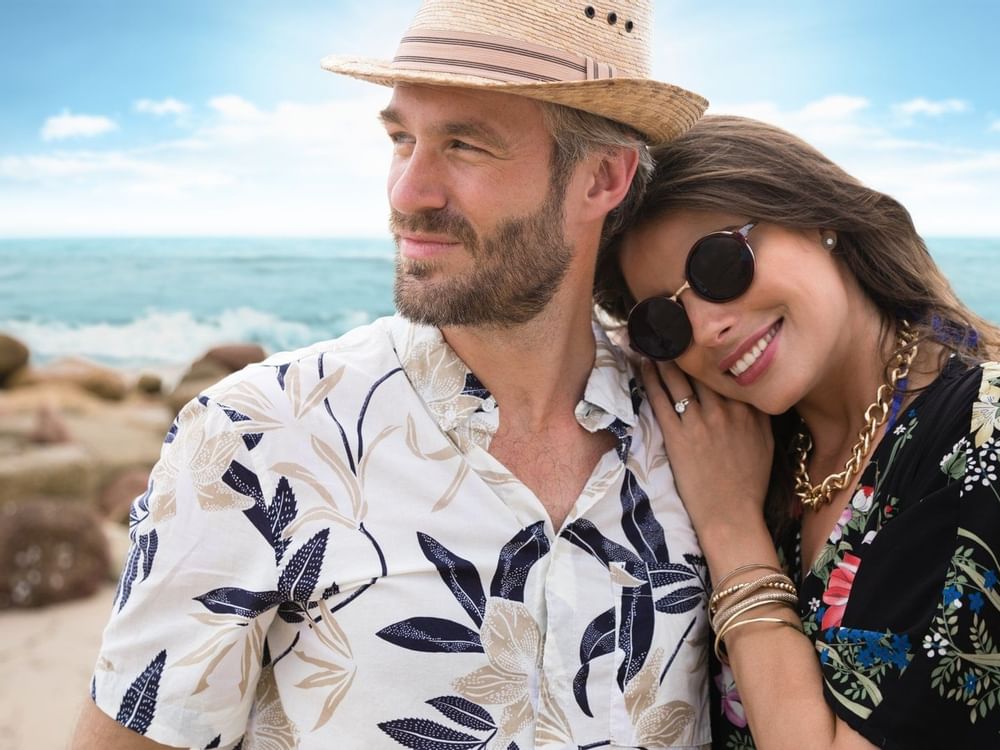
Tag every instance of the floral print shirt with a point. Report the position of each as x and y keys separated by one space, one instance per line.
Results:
x=903 y=602
x=327 y=556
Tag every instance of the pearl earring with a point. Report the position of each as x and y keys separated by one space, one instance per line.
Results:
x=829 y=241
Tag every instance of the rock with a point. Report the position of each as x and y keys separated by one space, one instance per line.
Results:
x=149 y=384
x=233 y=357
x=101 y=381
x=49 y=552
x=115 y=498
x=202 y=374
x=67 y=470
x=50 y=428
x=13 y=355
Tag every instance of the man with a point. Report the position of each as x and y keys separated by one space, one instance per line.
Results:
x=456 y=527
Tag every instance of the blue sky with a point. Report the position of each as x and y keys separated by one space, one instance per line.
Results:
x=212 y=117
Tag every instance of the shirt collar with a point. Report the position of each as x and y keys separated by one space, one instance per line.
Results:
x=453 y=393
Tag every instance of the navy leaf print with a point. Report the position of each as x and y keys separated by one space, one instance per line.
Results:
x=282 y=369
x=516 y=559
x=587 y=537
x=598 y=640
x=640 y=524
x=250 y=439
x=475 y=387
x=664 y=575
x=635 y=632
x=421 y=734
x=244 y=481
x=580 y=689
x=139 y=704
x=214 y=743
x=271 y=520
x=432 y=634
x=291 y=612
x=459 y=575
x=129 y=573
x=680 y=600
x=148 y=544
x=463 y=712
x=171 y=433
x=301 y=574
x=230 y=600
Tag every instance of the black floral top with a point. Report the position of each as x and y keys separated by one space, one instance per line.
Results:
x=902 y=602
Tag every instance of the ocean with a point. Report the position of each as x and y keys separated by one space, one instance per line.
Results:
x=159 y=303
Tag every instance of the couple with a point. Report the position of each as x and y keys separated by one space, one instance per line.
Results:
x=458 y=528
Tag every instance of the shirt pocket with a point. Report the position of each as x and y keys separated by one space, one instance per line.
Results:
x=659 y=698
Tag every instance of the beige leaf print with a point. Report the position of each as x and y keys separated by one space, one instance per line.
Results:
x=442 y=454
x=253 y=648
x=621 y=577
x=269 y=726
x=664 y=724
x=320 y=391
x=452 y=492
x=328 y=455
x=512 y=642
x=335 y=676
x=552 y=726
x=640 y=691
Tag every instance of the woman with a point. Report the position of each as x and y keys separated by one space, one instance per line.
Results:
x=821 y=390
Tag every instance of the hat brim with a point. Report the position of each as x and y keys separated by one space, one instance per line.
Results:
x=660 y=111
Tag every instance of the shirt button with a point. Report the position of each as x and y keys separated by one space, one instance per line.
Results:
x=489 y=404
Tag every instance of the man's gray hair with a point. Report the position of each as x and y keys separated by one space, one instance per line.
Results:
x=577 y=133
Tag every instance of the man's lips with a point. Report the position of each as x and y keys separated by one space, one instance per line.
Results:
x=423 y=246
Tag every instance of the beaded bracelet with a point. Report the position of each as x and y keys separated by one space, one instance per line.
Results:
x=741 y=591
x=744 y=568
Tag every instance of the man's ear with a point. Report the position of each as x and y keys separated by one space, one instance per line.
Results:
x=609 y=176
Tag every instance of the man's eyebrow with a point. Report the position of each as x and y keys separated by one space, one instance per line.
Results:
x=463 y=129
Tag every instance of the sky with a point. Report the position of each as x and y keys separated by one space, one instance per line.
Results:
x=213 y=117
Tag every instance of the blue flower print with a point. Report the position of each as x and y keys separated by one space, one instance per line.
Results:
x=976 y=601
x=952 y=595
x=990 y=579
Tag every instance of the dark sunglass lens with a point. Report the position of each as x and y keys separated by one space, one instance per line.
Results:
x=659 y=328
x=720 y=268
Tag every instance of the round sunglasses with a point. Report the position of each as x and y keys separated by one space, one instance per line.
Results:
x=719 y=268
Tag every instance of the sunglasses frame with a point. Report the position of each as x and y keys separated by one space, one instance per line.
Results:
x=740 y=235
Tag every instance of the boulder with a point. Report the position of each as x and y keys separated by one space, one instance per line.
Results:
x=49 y=552
x=66 y=470
x=115 y=498
x=13 y=356
x=233 y=357
x=50 y=427
x=101 y=381
x=201 y=375
x=149 y=384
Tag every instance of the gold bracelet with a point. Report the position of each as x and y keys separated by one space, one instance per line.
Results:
x=730 y=613
x=744 y=568
x=747 y=588
x=724 y=657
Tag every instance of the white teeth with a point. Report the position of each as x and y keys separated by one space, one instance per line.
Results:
x=746 y=361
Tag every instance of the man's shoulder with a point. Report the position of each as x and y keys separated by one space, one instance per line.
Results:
x=367 y=352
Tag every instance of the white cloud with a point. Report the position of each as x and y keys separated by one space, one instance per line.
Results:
x=948 y=189
x=922 y=106
x=67 y=125
x=995 y=126
x=161 y=107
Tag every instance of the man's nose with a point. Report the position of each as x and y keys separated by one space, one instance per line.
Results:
x=417 y=182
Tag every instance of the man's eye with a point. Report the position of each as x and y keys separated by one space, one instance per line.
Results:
x=463 y=146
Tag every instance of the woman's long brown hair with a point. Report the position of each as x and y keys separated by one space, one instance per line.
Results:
x=740 y=166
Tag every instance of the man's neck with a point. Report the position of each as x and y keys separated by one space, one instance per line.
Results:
x=536 y=371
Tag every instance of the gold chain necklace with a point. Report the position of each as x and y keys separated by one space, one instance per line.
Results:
x=815 y=496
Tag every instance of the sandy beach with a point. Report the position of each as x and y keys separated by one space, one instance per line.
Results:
x=47 y=656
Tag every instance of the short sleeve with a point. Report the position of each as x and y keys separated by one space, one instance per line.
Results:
x=183 y=650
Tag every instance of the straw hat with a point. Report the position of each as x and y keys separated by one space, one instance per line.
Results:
x=587 y=54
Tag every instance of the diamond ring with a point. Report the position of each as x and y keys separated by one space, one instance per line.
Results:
x=681 y=406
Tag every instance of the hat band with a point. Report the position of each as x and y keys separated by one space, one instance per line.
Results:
x=494 y=57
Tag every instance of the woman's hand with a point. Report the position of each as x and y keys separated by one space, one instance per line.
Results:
x=720 y=450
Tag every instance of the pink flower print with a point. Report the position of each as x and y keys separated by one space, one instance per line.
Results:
x=838 y=529
x=732 y=706
x=838 y=590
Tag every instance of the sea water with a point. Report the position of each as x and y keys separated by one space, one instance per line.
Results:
x=159 y=303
